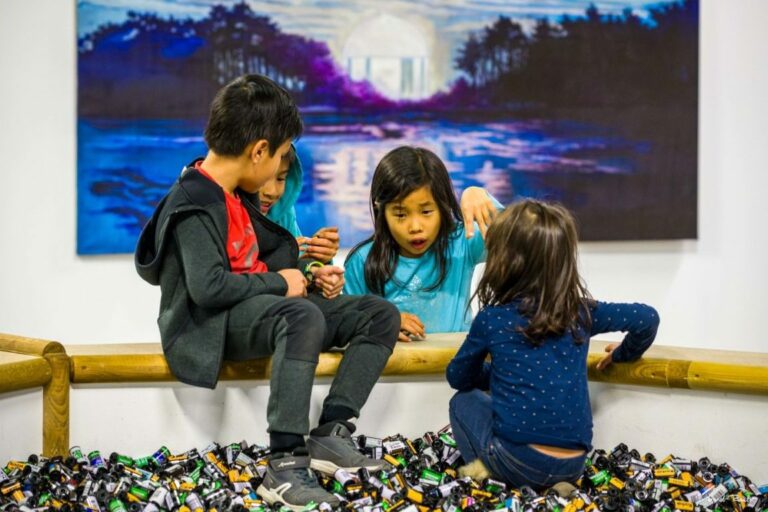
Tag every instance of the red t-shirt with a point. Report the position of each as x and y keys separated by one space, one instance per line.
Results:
x=242 y=246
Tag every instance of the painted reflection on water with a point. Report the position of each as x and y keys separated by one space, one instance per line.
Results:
x=504 y=158
x=595 y=108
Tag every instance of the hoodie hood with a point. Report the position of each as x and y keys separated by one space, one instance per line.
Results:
x=283 y=212
x=192 y=192
x=147 y=255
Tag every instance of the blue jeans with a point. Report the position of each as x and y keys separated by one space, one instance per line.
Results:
x=516 y=464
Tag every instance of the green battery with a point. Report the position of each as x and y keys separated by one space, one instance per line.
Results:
x=495 y=489
x=447 y=439
x=77 y=454
x=43 y=499
x=139 y=492
x=432 y=476
x=117 y=458
x=143 y=462
x=195 y=474
x=115 y=505
x=601 y=477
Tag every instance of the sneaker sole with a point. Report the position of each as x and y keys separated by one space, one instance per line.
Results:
x=273 y=497
x=327 y=467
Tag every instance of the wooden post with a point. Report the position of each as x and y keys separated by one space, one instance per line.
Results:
x=56 y=407
x=55 y=388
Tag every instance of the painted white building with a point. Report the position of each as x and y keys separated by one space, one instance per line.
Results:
x=391 y=54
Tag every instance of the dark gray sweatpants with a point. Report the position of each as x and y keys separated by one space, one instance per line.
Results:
x=293 y=331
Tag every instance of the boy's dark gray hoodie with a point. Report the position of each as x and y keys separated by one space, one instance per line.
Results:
x=194 y=306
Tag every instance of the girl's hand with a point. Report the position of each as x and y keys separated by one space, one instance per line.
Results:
x=607 y=360
x=303 y=242
x=410 y=324
x=476 y=206
x=324 y=245
x=330 y=280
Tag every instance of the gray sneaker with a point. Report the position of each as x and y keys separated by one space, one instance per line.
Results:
x=289 y=480
x=337 y=451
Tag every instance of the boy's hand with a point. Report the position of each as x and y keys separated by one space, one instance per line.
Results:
x=330 y=280
x=607 y=360
x=476 y=206
x=324 y=245
x=410 y=324
x=297 y=283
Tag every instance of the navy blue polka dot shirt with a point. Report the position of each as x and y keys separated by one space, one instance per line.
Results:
x=540 y=394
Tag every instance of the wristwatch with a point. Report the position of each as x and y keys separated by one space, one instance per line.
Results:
x=308 y=272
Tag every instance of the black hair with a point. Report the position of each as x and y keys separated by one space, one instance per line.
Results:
x=290 y=157
x=251 y=108
x=399 y=173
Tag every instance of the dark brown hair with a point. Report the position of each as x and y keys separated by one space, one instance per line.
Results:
x=532 y=252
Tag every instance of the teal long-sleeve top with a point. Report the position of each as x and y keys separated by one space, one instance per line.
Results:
x=444 y=309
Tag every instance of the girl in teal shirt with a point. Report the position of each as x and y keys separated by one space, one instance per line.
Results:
x=425 y=246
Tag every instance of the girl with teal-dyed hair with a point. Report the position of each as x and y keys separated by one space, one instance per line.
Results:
x=277 y=200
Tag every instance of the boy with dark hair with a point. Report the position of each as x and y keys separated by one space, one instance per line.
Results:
x=233 y=287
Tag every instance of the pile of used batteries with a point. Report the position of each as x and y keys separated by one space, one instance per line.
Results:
x=423 y=478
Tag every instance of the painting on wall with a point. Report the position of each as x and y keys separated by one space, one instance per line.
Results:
x=592 y=104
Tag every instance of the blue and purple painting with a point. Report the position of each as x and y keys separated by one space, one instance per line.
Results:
x=593 y=104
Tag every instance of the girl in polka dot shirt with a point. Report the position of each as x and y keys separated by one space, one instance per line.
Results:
x=535 y=426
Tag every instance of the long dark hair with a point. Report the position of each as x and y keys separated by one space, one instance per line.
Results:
x=532 y=252
x=399 y=173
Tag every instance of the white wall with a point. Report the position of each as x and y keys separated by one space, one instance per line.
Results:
x=725 y=427
x=21 y=424
x=711 y=293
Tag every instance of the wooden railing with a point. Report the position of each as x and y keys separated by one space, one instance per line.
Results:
x=687 y=368
x=26 y=363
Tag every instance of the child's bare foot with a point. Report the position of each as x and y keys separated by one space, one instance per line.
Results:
x=563 y=489
x=476 y=470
